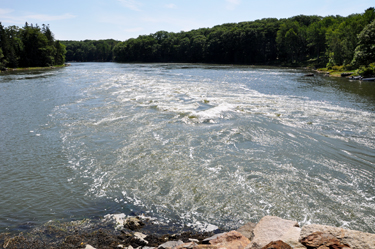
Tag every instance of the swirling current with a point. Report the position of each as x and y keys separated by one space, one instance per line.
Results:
x=202 y=144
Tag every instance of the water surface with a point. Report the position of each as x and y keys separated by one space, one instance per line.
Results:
x=203 y=144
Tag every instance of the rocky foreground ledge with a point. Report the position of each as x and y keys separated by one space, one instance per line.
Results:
x=270 y=233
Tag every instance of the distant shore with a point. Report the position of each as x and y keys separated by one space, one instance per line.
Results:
x=33 y=68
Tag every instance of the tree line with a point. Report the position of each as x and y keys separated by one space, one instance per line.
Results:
x=299 y=40
x=29 y=46
x=90 y=50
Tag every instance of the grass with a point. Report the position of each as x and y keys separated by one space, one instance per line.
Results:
x=34 y=68
x=336 y=71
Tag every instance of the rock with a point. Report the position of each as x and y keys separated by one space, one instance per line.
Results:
x=140 y=237
x=206 y=247
x=323 y=241
x=89 y=247
x=346 y=74
x=189 y=245
x=207 y=241
x=247 y=230
x=309 y=75
x=277 y=245
x=232 y=239
x=291 y=237
x=354 y=239
x=194 y=240
x=270 y=228
x=133 y=223
x=171 y=244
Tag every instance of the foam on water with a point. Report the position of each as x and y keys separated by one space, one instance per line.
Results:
x=213 y=146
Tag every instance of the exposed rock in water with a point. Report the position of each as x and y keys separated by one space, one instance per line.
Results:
x=133 y=223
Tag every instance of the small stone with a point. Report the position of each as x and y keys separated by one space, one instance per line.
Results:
x=89 y=247
x=232 y=239
x=277 y=245
x=171 y=244
x=194 y=240
x=140 y=237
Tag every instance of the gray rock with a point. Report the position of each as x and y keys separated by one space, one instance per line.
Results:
x=355 y=239
x=171 y=244
x=247 y=230
x=270 y=228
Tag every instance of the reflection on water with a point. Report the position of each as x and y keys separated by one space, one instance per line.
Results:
x=206 y=144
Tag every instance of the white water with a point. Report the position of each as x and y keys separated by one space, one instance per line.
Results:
x=216 y=145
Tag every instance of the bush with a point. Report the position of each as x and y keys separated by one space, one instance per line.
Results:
x=367 y=71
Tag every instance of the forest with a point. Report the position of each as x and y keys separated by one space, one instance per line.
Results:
x=90 y=50
x=297 y=41
x=29 y=46
x=315 y=41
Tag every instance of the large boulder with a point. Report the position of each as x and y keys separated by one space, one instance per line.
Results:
x=315 y=234
x=277 y=245
x=323 y=241
x=230 y=240
x=247 y=230
x=269 y=229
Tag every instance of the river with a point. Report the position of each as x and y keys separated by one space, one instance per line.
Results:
x=207 y=145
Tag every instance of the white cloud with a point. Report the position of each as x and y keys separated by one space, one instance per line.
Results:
x=171 y=6
x=5 y=11
x=9 y=18
x=41 y=17
x=131 y=4
x=232 y=4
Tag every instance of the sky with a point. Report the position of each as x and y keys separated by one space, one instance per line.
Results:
x=124 y=19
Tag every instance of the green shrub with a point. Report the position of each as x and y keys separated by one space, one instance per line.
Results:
x=367 y=71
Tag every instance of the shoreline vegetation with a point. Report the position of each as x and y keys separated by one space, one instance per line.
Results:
x=331 y=43
x=119 y=231
x=33 y=68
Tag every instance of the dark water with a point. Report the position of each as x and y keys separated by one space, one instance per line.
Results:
x=207 y=145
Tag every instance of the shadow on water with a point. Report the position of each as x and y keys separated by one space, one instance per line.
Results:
x=356 y=91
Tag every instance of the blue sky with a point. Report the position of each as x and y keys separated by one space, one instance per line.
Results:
x=124 y=19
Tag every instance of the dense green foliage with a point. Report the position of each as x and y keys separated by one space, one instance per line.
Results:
x=30 y=46
x=89 y=50
x=300 y=40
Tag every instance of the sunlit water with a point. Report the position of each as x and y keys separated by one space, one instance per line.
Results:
x=201 y=144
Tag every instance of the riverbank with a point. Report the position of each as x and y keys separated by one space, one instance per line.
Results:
x=119 y=231
x=33 y=68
